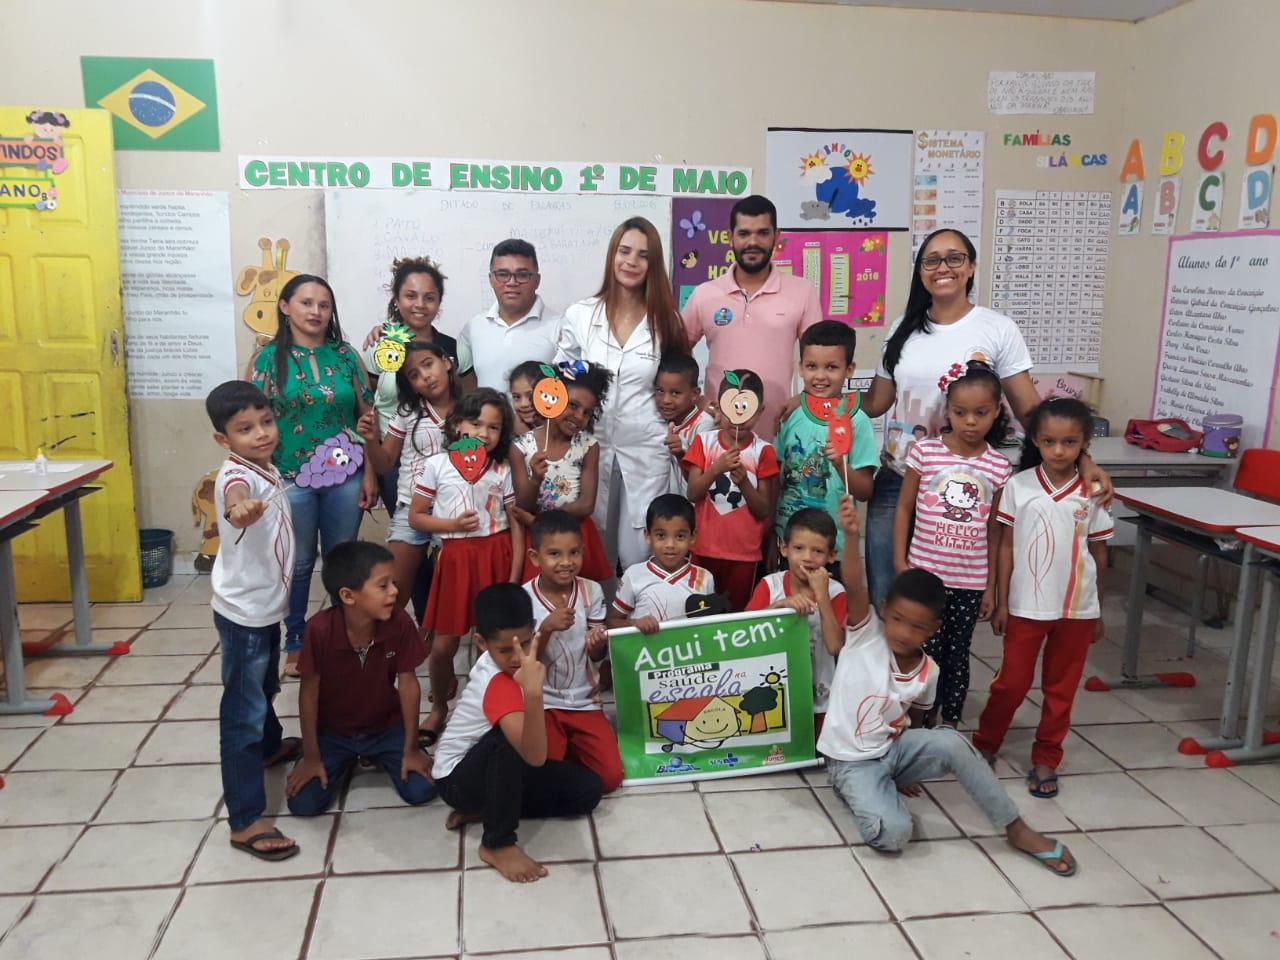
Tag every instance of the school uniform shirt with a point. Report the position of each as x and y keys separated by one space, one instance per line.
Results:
x=776 y=587
x=757 y=332
x=646 y=590
x=359 y=696
x=452 y=495
x=495 y=346
x=870 y=699
x=727 y=529
x=952 y=509
x=697 y=423
x=488 y=696
x=1054 y=576
x=251 y=576
x=926 y=357
x=571 y=680
x=422 y=436
x=630 y=430
x=808 y=478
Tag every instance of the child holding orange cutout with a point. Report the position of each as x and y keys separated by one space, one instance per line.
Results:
x=557 y=467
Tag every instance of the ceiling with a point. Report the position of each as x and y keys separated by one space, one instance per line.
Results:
x=1124 y=10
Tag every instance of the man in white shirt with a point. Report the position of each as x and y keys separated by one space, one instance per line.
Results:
x=518 y=327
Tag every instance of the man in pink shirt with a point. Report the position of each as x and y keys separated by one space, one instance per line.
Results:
x=753 y=314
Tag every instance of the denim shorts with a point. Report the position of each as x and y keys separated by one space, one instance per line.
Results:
x=398 y=529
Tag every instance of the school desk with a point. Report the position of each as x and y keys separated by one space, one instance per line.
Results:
x=1257 y=744
x=1128 y=464
x=16 y=510
x=64 y=483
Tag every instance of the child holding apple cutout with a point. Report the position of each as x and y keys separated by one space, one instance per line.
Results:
x=733 y=486
x=557 y=466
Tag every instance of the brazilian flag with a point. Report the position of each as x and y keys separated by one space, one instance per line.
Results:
x=157 y=104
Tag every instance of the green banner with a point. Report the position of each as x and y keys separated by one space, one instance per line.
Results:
x=157 y=104
x=714 y=697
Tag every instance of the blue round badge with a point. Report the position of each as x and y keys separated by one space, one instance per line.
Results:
x=722 y=317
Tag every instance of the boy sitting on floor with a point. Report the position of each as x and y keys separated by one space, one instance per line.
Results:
x=884 y=682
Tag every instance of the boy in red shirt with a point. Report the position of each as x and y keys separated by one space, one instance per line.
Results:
x=733 y=484
x=360 y=696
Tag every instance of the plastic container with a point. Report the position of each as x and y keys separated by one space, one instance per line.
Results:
x=156 y=546
x=1221 y=435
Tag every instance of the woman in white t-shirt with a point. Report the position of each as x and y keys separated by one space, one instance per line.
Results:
x=938 y=328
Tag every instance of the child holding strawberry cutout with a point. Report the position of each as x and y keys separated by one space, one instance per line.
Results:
x=465 y=496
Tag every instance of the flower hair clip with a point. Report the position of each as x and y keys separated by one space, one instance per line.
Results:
x=954 y=373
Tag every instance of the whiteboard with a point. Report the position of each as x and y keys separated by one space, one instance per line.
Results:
x=366 y=229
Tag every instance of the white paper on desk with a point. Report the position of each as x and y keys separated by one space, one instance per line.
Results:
x=29 y=469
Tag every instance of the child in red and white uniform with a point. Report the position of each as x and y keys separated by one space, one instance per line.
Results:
x=733 y=483
x=659 y=589
x=492 y=764
x=808 y=546
x=465 y=497
x=569 y=612
x=950 y=490
x=1050 y=592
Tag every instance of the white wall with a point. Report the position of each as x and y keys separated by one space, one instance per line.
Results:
x=679 y=81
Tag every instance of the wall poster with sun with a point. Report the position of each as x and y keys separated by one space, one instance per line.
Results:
x=714 y=697
x=829 y=179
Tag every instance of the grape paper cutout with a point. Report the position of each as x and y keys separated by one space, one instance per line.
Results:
x=469 y=457
x=391 y=350
x=333 y=462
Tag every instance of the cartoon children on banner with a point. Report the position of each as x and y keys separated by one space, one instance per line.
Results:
x=30 y=163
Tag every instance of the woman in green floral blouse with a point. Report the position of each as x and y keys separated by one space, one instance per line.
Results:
x=318 y=388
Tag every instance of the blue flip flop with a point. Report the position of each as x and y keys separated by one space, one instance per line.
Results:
x=1057 y=853
x=1036 y=785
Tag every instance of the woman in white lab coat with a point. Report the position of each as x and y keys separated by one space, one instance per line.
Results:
x=626 y=328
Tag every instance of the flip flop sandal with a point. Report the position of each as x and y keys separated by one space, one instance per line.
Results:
x=428 y=738
x=273 y=855
x=290 y=750
x=1058 y=852
x=1036 y=783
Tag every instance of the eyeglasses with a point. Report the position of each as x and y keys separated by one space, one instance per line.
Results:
x=955 y=260
x=506 y=276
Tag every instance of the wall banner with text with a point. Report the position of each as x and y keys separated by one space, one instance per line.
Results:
x=460 y=175
x=713 y=697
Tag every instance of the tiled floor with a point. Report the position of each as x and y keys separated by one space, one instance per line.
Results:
x=112 y=843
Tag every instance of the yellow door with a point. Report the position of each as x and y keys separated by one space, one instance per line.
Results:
x=62 y=378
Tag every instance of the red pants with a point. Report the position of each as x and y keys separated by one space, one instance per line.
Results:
x=584 y=737
x=1066 y=643
x=736 y=579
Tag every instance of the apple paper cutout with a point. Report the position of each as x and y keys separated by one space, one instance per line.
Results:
x=390 y=353
x=741 y=396
x=468 y=456
x=550 y=396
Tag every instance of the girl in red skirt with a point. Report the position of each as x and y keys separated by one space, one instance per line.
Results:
x=557 y=466
x=465 y=497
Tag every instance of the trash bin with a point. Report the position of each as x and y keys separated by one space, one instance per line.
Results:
x=157 y=556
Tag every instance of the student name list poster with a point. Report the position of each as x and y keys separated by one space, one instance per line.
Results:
x=179 y=313
x=1221 y=329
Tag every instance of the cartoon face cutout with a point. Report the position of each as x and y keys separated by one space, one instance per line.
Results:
x=339 y=458
x=741 y=396
x=717 y=720
x=840 y=429
x=468 y=456
x=390 y=352
x=550 y=396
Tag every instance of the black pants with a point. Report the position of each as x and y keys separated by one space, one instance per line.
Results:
x=950 y=648
x=494 y=780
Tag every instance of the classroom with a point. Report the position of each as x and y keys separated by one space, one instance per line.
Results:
x=765 y=479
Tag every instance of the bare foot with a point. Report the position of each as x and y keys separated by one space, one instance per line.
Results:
x=457 y=819
x=513 y=863
x=1029 y=841
x=266 y=844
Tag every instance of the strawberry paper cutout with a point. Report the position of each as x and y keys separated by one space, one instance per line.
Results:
x=469 y=458
x=840 y=430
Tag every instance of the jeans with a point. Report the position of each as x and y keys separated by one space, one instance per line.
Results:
x=326 y=516
x=248 y=730
x=870 y=787
x=879 y=545
x=493 y=780
x=339 y=754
